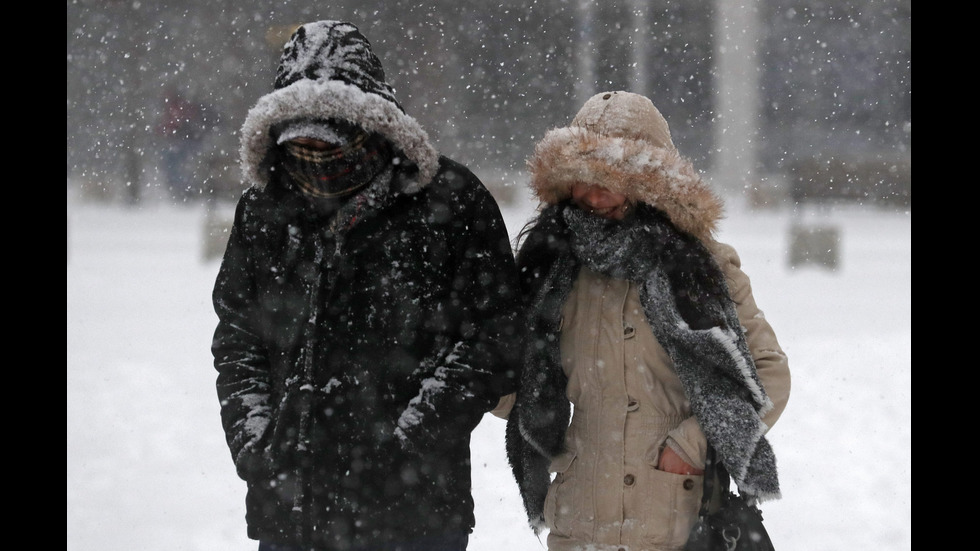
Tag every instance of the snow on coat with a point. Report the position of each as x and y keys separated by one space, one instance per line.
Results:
x=357 y=350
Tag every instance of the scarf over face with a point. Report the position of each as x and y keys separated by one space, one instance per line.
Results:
x=686 y=301
x=337 y=172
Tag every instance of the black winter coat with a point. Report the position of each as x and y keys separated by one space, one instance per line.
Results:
x=322 y=350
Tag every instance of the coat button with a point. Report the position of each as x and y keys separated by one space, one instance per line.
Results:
x=628 y=332
x=629 y=480
x=632 y=405
x=688 y=484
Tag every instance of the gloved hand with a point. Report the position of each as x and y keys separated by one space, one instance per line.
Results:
x=414 y=430
x=254 y=460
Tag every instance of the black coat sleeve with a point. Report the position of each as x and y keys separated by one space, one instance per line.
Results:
x=240 y=357
x=478 y=360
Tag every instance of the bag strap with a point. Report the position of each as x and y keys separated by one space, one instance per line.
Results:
x=714 y=469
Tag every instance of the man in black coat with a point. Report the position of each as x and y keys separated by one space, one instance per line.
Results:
x=366 y=306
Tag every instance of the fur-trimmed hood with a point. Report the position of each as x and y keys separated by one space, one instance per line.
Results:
x=620 y=141
x=328 y=70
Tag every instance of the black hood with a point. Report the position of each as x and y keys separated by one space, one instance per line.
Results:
x=329 y=71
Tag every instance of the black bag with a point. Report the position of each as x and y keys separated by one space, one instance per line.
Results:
x=735 y=526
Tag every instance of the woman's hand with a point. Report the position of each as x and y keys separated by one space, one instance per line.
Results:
x=672 y=463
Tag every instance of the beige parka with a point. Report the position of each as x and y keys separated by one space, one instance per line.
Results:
x=628 y=403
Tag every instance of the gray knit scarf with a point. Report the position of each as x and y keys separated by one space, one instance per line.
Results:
x=686 y=301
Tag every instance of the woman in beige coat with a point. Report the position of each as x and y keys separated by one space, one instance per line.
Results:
x=644 y=326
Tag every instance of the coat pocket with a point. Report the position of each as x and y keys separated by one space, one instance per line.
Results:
x=560 y=505
x=665 y=508
x=284 y=435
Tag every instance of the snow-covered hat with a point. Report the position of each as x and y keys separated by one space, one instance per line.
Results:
x=620 y=141
x=328 y=71
x=321 y=130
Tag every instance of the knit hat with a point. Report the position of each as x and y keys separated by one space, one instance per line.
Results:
x=620 y=141
x=328 y=71
x=333 y=132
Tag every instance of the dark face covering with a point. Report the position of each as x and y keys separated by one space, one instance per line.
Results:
x=338 y=172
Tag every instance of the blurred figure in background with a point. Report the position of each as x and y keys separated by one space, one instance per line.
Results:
x=647 y=325
x=366 y=306
x=182 y=125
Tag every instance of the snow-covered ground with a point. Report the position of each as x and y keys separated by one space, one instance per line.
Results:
x=148 y=468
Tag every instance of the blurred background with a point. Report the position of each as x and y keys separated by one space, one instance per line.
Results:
x=773 y=100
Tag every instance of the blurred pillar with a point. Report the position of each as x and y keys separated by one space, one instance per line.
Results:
x=641 y=45
x=737 y=95
x=133 y=168
x=585 y=50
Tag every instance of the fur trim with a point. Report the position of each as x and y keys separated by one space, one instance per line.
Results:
x=333 y=99
x=659 y=177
